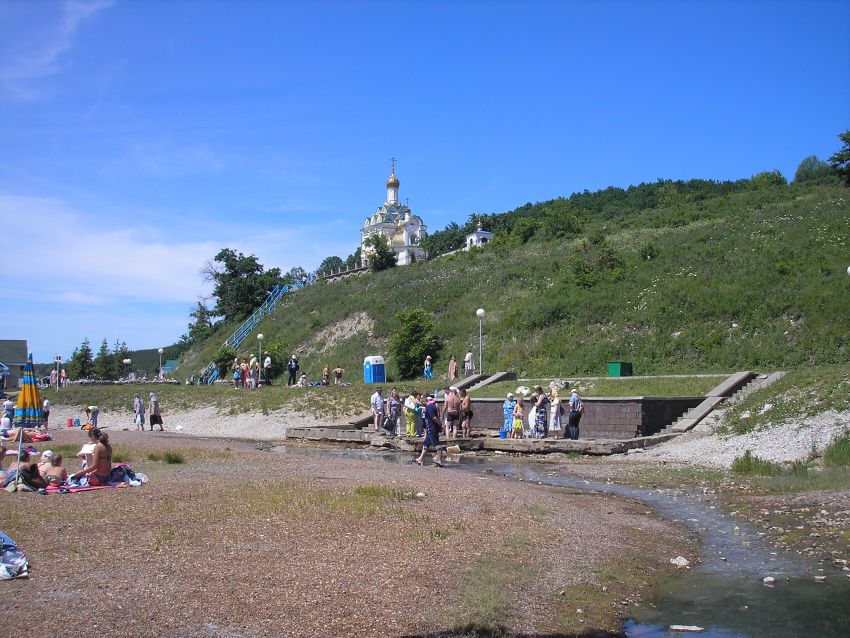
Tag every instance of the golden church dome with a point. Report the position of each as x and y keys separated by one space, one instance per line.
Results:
x=392 y=182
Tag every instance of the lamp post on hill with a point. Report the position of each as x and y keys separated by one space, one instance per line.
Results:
x=127 y=363
x=58 y=360
x=160 y=363
x=260 y=338
x=480 y=314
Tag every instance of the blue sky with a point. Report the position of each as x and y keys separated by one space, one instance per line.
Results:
x=139 y=138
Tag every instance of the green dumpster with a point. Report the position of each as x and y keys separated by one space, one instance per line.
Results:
x=619 y=369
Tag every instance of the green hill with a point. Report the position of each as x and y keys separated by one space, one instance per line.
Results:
x=672 y=277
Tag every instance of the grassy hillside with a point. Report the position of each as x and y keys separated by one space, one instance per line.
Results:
x=752 y=278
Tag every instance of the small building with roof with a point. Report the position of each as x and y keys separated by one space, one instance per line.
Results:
x=394 y=221
x=479 y=237
x=13 y=356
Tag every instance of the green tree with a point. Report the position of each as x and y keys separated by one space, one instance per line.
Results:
x=295 y=274
x=119 y=353
x=767 y=179
x=81 y=364
x=812 y=169
x=201 y=325
x=380 y=256
x=353 y=260
x=241 y=283
x=330 y=264
x=840 y=160
x=414 y=340
x=104 y=362
x=223 y=358
x=560 y=219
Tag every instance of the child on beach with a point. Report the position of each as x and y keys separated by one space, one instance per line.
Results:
x=519 y=418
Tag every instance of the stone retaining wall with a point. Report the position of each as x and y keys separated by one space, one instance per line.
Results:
x=603 y=418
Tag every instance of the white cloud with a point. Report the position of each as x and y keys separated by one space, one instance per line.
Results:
x=96 y=262
x=41 y=53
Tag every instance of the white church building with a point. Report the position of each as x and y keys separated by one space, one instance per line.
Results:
x=394 y=221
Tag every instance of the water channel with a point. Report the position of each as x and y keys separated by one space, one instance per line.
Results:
x=724 y=594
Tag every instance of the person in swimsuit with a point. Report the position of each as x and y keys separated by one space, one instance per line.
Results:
x=101 y=465
x=55 y=473
x=338 y=375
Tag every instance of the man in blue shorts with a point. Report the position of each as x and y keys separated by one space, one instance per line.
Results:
x=432 y=434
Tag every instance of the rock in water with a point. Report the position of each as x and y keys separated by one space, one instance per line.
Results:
x=680 y=561
x=768 y=580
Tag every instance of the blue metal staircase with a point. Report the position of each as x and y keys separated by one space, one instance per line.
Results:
x=276 y=294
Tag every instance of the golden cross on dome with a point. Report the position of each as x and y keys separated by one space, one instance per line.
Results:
x=393 y=161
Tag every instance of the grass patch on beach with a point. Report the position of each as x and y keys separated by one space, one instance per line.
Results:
x=296 y=497
x=170 y=457
x=655 y=476
x=837 y=454
x=538 y=512
x=488 y=590
x=751 y=465
x=813 y=480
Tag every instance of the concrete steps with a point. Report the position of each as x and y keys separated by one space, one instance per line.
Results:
x=493 y=378
x=731 y=390
x=759 y=382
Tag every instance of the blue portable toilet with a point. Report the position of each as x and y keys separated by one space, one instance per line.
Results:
x=374 y=370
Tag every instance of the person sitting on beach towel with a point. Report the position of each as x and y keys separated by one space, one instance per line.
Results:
x=55 y=474
x=98 y=471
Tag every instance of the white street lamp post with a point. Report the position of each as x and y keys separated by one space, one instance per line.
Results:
x=260 y=338
x=127 y=363
x=160 y=364
x=480 y=315
x=58 y=363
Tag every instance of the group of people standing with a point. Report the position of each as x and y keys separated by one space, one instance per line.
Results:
x=468 y=366
x=250 y=374
x=139 y=412
x=548 y=415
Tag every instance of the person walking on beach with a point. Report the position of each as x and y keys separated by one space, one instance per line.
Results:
x=338 y=372
x=576 y=410
x=292 y=367
x=428 y=372
x=46 y=407
x=432 y=435
x=326 y=376
x=377 y=403
x=468 y=364
x=452 y=368
x=155 y=415
x=138 y=412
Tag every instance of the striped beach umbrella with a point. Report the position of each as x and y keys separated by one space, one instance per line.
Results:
x=29 y=410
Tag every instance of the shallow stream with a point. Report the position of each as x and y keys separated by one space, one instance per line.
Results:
x=724 y=594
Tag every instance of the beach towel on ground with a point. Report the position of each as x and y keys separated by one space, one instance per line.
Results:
x=13 y=562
